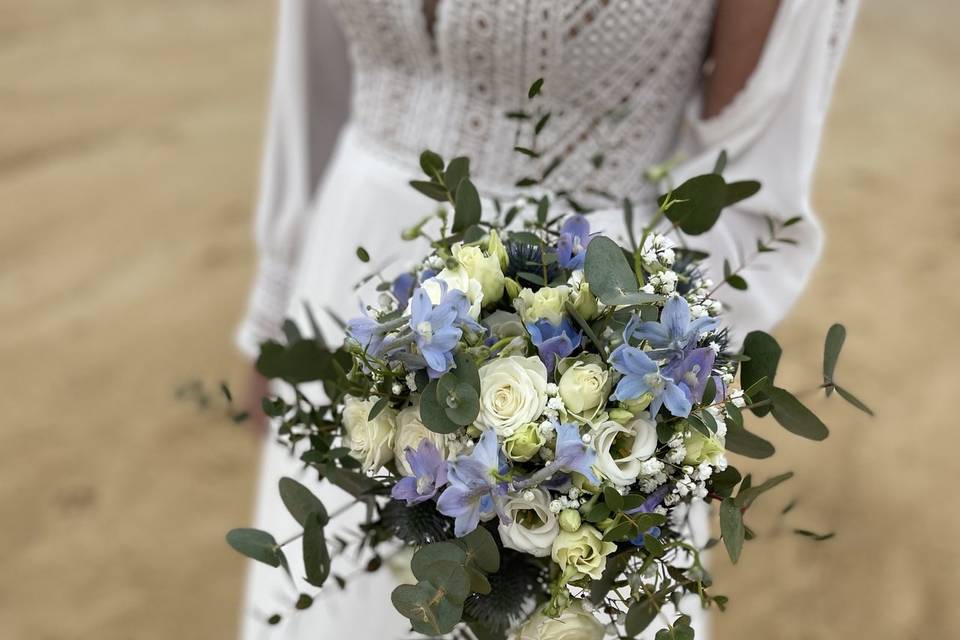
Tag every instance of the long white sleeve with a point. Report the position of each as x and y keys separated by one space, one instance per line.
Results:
x=308 y=105
x=771 y=133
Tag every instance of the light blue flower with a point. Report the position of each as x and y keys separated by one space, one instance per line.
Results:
x=674 y=333
x=573 y=455
x=641 y=375
x=434 y=332
x=572 y=245
x=474 y=485
x=402 y=289
x=429 y=474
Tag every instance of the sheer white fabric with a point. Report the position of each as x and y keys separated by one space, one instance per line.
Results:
x=622 y=78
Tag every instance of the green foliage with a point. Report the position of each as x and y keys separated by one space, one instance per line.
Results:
x=453 y=400
x=695 y=205
x=466 y=206
x=610 y=276
x=794 y=416
x=316 y=555
x=731 y=528
x=639 y=616
x=300 y=502
x=257 y=545
x=739 y=440
x=764 y=354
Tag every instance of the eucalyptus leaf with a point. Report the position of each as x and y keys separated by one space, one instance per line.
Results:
x=610 y=276
x=301 y=502
x=432 y=190
x=457 y=170
x=731 y=528
x=832 y=346
x=737 y=191
x=794 y=416
x=764 y=353
x=639 y=616
x=482 y=550
x=696 y=204
x=257 y=545
x=852 y=399
x=433 y=412
x=466 y=206
x=739 y=440
x=316 y=555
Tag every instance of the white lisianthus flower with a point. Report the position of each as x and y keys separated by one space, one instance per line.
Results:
x=513 y=392
x=581 y=553
x=584 y=387
x=574 y=623
x=410 y=433
x=546 y=303
x=482 y=268
x=622 y=449
x=369 y=441
x=456 y=279
x=533 y=526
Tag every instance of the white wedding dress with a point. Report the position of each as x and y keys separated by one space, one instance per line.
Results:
x=622 y=78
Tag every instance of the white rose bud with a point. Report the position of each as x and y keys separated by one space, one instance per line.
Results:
x=533 y=525
x=369 y=441
x=512 y=392
x=570 y=520
x=573 y=623
x=410 y=433
x=622 y=448
x=584 y=387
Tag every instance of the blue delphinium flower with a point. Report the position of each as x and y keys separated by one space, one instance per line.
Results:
x=674 y=333
x=641 y=375
x=692 y=372
x=429 y=474
x=573 y=455
x=572 y=245
x=434 y=332
x=367 y=332
x=473 y=485
x=402 y=289
x=553 y=342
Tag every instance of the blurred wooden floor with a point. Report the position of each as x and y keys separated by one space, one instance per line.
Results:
x=129 y=135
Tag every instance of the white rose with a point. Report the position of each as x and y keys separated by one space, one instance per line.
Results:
x=533 y=526
x=370 y=441
x=547 y=303
x=484 y=269
x=410 y=433
x=584 y=387
x=513 y=391
x=575 y=623
x=456 y=279
x=621 y=449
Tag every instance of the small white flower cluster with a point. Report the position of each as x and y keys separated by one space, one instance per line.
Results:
x=657 y=252
x=662 y=282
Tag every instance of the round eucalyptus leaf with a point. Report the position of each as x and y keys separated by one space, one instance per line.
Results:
x=482 y=550
x=433 y=413
x=428 y=614
x=257 y=545
x=436 y=552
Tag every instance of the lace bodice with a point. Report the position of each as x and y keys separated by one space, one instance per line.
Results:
x=622 y=79
x=615 y=73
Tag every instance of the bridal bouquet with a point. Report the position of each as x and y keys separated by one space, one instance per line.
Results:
x=534 y=408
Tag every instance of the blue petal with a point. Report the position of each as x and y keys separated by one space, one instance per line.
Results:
x=676 y=401
x=577 y=226
x=632 y=360
x=657 y=334
x=676 y=316
x=420 y=306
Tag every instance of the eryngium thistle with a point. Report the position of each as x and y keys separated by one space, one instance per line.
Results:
x=514 y=589
x=524 y=257
x=419 y=524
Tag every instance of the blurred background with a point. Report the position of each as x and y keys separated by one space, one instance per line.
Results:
x=129 y=141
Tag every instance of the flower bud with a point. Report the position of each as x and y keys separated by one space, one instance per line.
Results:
x=569 y=520
x=512 y=287
x=524 y=443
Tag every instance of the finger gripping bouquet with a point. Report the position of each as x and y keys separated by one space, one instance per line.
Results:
x=534 y=408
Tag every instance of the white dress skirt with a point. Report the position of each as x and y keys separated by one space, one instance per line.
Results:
x=313 y=215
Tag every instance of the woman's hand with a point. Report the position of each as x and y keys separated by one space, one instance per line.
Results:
x=257 y=387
